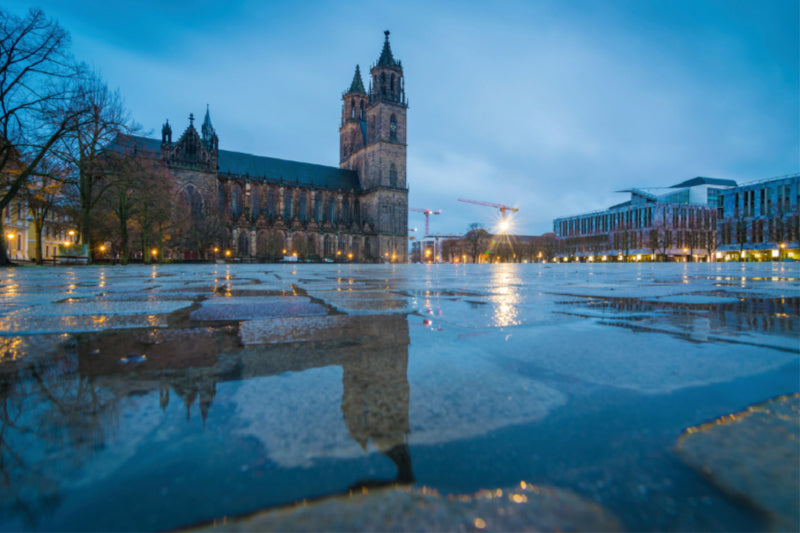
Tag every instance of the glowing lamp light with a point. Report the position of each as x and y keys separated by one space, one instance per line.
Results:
x=216 y=249
x=153 y=252
x=294 y=254
x=783 y=245
x=10 y=236
x=349 y=256
x=102 y=248
x=71 y=232
x=228 y=253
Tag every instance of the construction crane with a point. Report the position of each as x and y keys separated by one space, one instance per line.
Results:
x=427 y=213
x=504 y=209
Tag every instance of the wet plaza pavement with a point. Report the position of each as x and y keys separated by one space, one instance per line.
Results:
x=657 y=397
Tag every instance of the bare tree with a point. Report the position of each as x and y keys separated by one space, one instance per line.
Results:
x=85 y=147
x=37 y=75
x=155 y=194
x=477 y=239
x=43 y=194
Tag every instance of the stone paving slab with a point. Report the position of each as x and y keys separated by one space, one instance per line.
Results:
x=246 y=308
x=755 y=455
x=524 y=507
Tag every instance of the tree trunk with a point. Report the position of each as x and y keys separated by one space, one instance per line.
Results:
x=4 y=260
x=38 y=225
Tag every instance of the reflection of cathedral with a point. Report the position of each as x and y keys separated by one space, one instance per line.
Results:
x=263 y=207
x=372 y=351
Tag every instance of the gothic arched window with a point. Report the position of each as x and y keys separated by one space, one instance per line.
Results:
x=331 y=214
x=361 y=110
x=392 y=176
x=302 y=207
x=270 y=210
x=352 y=108
x=318 y=208
x=288 y=206
x=383 y=83
x=345 y=210
x=236 y=201
x=194 y=201
x=393 y=128
x=255 y=202
x=391 y=87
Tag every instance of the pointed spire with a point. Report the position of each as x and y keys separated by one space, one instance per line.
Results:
x=358 y=84
x=386 y=59
x=207 y=129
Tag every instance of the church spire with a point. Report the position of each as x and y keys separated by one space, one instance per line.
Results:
x=208 y=133
x=387 y=59
x=358 y=84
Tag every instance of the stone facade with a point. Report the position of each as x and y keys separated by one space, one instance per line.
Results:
x=255 y=207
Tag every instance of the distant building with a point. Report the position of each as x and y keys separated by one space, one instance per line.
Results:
x=761 y=220
x=673 y=223
x=19 y=231
x=484 y=248
x=263 y=207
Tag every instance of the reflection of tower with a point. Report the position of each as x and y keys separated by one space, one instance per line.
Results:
x=196 y=382
x=376 y=393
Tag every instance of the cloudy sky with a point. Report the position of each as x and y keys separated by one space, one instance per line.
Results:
x=548 y=106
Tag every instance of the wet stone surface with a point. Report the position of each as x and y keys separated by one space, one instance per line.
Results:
x=161 y=397
x=525 y=507
x=754 y=455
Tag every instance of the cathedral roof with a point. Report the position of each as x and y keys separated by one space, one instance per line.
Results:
x=270 y=169
x=387 y=59
x=358 y=85
x=261 y=168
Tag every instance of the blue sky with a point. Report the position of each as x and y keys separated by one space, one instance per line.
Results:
x=549 y=106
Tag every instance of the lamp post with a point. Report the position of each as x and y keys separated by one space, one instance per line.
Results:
x=782 y=248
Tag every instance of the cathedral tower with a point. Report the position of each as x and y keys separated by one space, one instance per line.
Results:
x=373 y=143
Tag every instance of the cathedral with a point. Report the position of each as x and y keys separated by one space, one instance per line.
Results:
x=256 y=207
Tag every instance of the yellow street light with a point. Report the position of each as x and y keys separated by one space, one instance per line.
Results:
x=153 y=252
x=10 y=236
x=216 y=249
x=228 y=253
x=71 y=232
x=284 y=251
x=350 y=256
x=294 y=254
x=102 y=248
x=783 y=245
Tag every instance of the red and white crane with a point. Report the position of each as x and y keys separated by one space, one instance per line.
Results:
x=427 y=213
x=504 y=209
